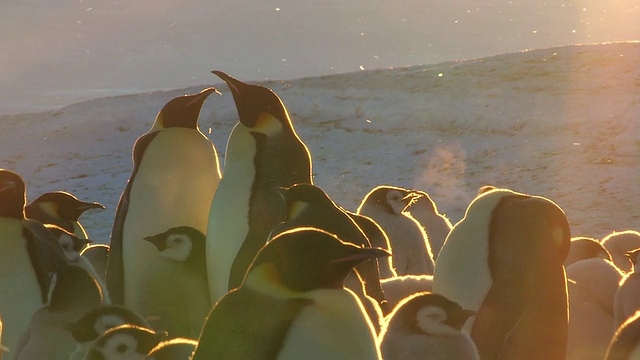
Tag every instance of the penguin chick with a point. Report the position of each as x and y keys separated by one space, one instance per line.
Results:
x=97 y=255
x=174 y=349
x=292 y=304
x=125 y=342
x=386 y=205
x=586 y=248
x=92 y=324
x=427 y=326
x=62 y=209
x=627 y=296
x=73 y=292
x=29 y=255
x=625 y=344
x=436 y=225
x=308 y=205
x=618 y=243
x=592 y=284
x=175 y=173
x=400 y=287
x=263 y=152
x=173 y=293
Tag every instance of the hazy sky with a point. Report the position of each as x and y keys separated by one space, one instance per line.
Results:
x=59 y=52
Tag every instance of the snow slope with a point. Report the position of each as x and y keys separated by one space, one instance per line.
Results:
x=560 y=122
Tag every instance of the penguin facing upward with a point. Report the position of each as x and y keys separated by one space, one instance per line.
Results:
x=175 y=174
x=92 y=324
x=426 y=325
x=591 y=284
x=627 y=296
x=125 y=342
x=62 y=209
x=618 y=243
x=586 y=248
x=504 y=260
x=386 y=205
x=309 y=206
x=73 y=292
x=29 y=255
x=436 y=225
x=173 y=293
x=292 y=304
x=263 y=152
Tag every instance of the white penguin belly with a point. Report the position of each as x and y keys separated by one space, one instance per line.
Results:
x=171 y=188
x=229 y=214
x=20 y=294
x=334 y=327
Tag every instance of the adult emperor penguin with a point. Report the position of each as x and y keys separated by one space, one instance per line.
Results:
x=73 y=292
x=504 y=261
x=292 y=304
x=61 y=208
x=627 y=295
x=263 y=152
x=29 y=255
x=308 y=205
x=173 y=293
x=386 y=205
x=379 y=239
x=427 y=326
x=175 y=174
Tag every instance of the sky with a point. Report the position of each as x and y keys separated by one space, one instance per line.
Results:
x=64 y=51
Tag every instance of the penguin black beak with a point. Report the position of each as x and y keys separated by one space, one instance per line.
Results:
x=159 y=242
x=84 y=206
x=244 y=95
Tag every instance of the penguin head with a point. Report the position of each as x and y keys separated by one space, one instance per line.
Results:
x=257 y=105
x=13 y=195
x=305 y=259
x=299 y=197
x=182 y=111
x=390 y=199
x=102 y=318
x=71 y=244
x=179 y=243
x=125 y=342
x=62 y=205
x=432 y=314
x=72 y=287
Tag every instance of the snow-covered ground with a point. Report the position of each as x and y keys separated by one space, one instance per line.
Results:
x=559 y=122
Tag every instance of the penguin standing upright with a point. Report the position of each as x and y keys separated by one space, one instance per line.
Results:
x=29 y=255
x=292 y=304
x=263 y=152
x=173 y=293
x=62 y=209
x=175 y=174
x=504 y=260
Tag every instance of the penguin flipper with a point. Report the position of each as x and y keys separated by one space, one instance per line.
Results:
x=45 y=253
x=260 y=337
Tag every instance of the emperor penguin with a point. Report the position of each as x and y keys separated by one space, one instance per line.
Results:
x=504 y=260
x=292 y=304
x=618 y=243
x=627 y=295
x=435 y=224
x=125 y=342
x=592 y=285
x=97 y=255
x=583 y=247
x=95 y=322
x=427 y=326
x=263 y=152
x=72 y=245
x=29 y=256
x=386 y=205
x=175 y=174
x=308 y=205
x=62 y=209
x=173 y=293
x=625 y=344
x=73 y=292
x=379 y=239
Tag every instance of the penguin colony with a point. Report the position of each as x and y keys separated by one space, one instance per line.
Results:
x=256 y=262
